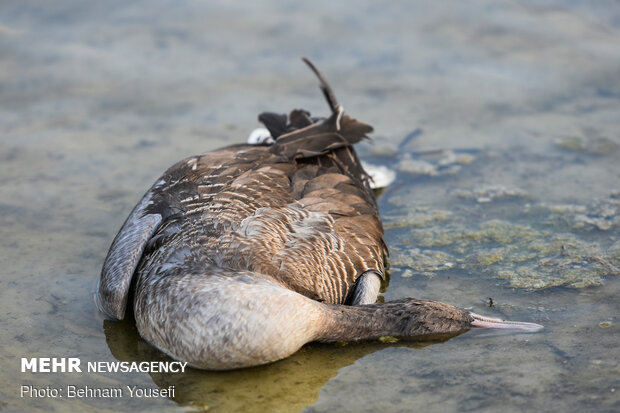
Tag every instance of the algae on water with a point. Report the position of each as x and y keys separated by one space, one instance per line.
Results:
x=424 y=262
x=488 y=193
x=550 y=248
x=600 y=145
x=602 y=214
x=414 y=216
x=437 y=163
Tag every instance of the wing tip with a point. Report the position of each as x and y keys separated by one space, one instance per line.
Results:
x=112 y=307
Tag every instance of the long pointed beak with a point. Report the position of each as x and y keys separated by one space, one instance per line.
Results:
x=488 y=322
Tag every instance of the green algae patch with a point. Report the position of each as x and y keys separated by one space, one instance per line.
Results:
x=492 y=256
x=602 y=214
x=571 y=143
x=502 y=232
x=600 y=145
x=433 y=237
x=434 y=163
x=388 y=339
x=415 y=217
x=488 y=193
x=561 y=260
x=541 y=277
x=542 y=250
x=425 y=262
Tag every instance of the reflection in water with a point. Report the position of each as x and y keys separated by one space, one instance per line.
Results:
x=287 y=385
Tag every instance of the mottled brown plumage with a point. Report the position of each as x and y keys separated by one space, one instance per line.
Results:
x=239 y=256
x=311 y=224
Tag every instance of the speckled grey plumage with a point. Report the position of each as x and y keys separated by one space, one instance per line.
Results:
x=125 y=253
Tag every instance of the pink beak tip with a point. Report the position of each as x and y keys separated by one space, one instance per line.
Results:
x=481 y=321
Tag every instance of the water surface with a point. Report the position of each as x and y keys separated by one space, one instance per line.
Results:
x=508 y=191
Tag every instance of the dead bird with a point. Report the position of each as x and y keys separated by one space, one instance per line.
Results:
x=240 y=256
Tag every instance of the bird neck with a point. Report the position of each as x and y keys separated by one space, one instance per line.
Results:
x=408 y=318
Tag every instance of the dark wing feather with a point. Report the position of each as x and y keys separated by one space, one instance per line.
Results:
x=324 y=85
x=299 y=118
x=274 y=122
x=335 y=132
x=300 y=136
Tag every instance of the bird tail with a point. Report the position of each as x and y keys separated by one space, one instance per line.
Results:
x=299 y=135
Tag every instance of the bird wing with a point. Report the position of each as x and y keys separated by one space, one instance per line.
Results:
x=124 y=255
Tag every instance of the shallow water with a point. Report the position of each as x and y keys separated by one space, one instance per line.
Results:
x=509 y=191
